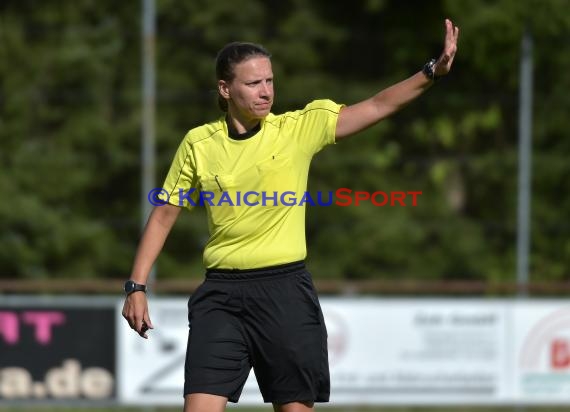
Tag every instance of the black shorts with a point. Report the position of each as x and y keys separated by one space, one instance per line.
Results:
x=269 y=319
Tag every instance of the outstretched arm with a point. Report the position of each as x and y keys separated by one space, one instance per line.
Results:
x=357 y=117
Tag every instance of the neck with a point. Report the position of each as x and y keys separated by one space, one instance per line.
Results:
x=240 y=125
x=243 y=136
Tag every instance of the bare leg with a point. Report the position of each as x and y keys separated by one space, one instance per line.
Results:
x=294 y=407
x=203 y=402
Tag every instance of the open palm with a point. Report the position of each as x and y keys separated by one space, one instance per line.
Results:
x=443 y=64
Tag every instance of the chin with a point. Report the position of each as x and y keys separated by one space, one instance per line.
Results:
x=264 y=112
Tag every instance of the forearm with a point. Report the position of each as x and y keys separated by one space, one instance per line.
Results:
x=395 y=97
x=355 y=118
x=156 y=231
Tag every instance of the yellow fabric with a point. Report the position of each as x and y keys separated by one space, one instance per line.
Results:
x=245 y=185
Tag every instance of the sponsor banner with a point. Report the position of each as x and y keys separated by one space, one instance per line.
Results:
x=151 y=371
x=541 y=368
x=390 y=351
x=416 y=352
x=55 y=353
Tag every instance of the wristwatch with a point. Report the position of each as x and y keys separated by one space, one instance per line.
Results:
x=429 y=71
x=131 y=286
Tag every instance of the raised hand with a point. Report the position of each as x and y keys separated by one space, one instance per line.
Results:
x=443 y=64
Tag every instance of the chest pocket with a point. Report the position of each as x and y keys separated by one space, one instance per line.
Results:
x=276 y=174
x=218 y=194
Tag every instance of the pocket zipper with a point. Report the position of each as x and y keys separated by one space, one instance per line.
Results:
x=219 y=184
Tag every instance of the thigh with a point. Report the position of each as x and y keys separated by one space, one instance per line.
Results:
x=288 y=340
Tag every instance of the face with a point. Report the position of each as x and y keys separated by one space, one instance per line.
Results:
x=250 y=93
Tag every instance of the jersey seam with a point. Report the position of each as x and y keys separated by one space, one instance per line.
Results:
x=179 y=174
x=192 y=142
x=305 y=112
x=186 y=159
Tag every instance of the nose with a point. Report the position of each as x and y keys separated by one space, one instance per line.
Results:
x=265 y=90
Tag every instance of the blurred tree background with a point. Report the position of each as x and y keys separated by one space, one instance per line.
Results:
x=70 y=127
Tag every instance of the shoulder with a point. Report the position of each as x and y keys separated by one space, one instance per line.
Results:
x=316 y=106
x=204 y=132
x=323 y=104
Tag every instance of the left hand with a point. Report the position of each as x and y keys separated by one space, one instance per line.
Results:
x=443 y=64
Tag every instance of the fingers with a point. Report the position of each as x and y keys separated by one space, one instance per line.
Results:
x=146 y=320
x=443 y=65
x=136 y=314
x=146 y=324
x=142 y=330
x=451 y=36
x=451 y=32
x=141 y=326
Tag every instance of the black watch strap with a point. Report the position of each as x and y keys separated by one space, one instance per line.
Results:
x=429 y=70
x=130 y=287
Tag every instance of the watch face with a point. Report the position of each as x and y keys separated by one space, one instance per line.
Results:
x=129 y=286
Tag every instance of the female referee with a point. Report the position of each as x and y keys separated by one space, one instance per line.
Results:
x=257 y=307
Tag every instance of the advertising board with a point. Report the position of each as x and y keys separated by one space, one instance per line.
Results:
x=54 y=353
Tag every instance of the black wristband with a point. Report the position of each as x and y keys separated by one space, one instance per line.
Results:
x=131 y=287
x=428 y=70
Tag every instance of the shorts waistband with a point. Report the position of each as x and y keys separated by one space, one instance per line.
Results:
x=258 y=273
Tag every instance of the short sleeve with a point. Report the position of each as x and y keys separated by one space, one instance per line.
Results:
x=180 y=185
x=318 y=125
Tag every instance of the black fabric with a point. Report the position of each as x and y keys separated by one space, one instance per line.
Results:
x=239 y=274
x=242 y=136
x=269 y=319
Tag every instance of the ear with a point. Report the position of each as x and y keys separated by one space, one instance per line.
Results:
x=223 y=89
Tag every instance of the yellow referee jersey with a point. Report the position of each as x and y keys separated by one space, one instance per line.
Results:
x=252 y=188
